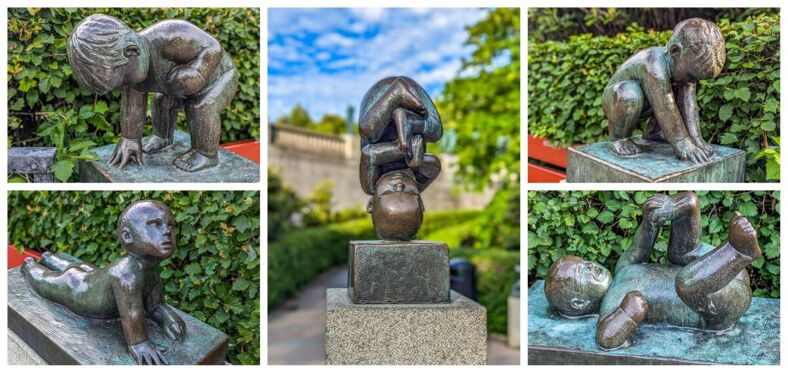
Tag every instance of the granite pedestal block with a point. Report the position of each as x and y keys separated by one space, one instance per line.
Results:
x=403 y=334
x=158 y=168
x=398 y=272
x=61 y=337
x=595 y=163
x=556 y=340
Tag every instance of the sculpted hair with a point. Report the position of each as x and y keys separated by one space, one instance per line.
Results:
x=95 y=49
x=704 y=40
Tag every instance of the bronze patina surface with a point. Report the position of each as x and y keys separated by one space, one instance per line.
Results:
x=700 y=288
x=128 y=289
x=660 y=84
x=182 y=65
x=398 y=272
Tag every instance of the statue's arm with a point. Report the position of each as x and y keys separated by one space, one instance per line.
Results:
x=163 y=314
x=614 y=329
x=655 y=214
x=133 y=111
x=688 y=106
x=657 y=88
x=372 y=156
x=127 y=290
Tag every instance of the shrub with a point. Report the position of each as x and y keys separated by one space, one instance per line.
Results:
x=48 y=108
x=599 y=226
x=214 y=275
x=739 y=108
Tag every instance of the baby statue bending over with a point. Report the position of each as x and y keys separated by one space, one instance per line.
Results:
x=660 y=83
x=396 y=121
x=700 y=288
x=182 y=65
x=129 y=288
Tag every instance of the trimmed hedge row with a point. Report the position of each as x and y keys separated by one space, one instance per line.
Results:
x=48 y=108
x=739 y=108
x=214 y=275
x=599 y=226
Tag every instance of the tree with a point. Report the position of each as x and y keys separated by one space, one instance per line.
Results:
x=298 y=117
x=331 y=123
x=483 y=106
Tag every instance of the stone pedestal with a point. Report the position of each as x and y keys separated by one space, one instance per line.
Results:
x=513 y=324
x=554 y=340
x=398 y=272
x=398 y=334
x=158 y=167
x=60 y=337
x=595 y=163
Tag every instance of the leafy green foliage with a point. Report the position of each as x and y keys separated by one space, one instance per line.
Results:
x=48 y=108
x=332 y=124
x=772 y=155
x=214 y=275
x=739 y=108
x=561 y=23
x=599 y=226
x=283 y=203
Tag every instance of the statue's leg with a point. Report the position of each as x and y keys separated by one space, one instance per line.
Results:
x=62 y=262
x=203 y=115
x=613 y=329
x=372 y=157
x=623 y=104
x=685 y=229
x=705 y=283
x=427 y=171
x=380 y=114
x=164 y=115
x=653 y=131
x=654 y=216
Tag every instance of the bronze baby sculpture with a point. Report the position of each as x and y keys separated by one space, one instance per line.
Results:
x=182 y=65
x=700 y=288
x=396 y=121
x=129 y=288
x=660 y=83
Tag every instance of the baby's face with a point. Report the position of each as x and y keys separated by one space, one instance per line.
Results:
x=151 y=229
x=580 y=286
x=396 y=207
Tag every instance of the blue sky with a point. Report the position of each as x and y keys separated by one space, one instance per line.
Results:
x=325 y=59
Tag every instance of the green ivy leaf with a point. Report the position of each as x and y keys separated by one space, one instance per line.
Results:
x=62 y=170
x=193 y=269
x=240 y=284
x=725 y=112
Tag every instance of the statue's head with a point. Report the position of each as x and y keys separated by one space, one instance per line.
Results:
x=145 y=229
x=105 y=54
x=697 y=50
x=575 y=287
x=396 y=207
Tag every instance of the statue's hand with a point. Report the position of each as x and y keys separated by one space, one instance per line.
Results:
x=686 y=150
x=415 y=156
x=147 y=353
x=125 y=150
x=703 y=145
x=185 y=81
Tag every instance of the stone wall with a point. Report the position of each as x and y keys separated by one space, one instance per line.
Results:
x=306 y=158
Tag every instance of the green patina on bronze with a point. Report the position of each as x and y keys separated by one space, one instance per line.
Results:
x=701 y=287
x=159 y=169
x=596 y=163
x=129 y=289
x=554 y=339
x=61 y=337
x=182 y=65
x=660 y=83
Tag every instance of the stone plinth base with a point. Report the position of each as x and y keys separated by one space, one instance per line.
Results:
x=60 y=337
x=398 y=272
x=396 y=334
x=553 y=339
x=595 y=163
x=158 y=168
x=19 y=353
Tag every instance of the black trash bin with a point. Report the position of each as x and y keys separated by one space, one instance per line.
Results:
x=463 y=277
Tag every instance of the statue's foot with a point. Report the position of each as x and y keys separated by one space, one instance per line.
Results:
x=155 y=143
x=624 y=147
x=742 y=236
x=193 y=160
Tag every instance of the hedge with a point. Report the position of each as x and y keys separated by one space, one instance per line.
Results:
x=214 y=275
x=48 y=108
x=599 y=226
x=299 y=256
x=739 y=108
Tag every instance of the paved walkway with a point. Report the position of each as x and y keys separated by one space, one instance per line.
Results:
x=296 y=330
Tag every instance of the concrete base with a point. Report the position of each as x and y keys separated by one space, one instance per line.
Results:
x=556 y=340
x=398 y=272
x=595 y=163
x=19 y=353
x=513 y=324
x=60 y=337
x=405 y=334
x=158 y=168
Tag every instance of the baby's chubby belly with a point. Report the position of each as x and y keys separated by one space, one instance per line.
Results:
x=658 y=285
